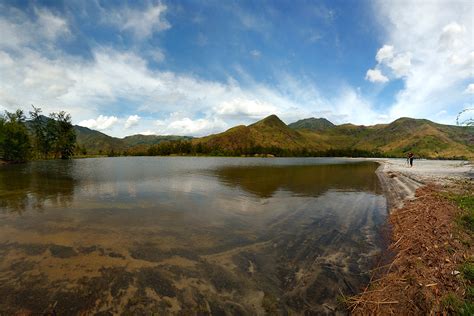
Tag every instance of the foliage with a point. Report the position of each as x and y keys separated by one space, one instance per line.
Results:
x=40 y=137
x=456 y=306
x=14 y=139
x=62 y=133
x=189 y=148
x=466 y=203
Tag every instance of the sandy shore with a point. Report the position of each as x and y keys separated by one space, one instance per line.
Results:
x=401 y=181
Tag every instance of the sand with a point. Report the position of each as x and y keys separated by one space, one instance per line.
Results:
x=400 y=181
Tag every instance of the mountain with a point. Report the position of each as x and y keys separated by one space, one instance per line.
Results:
x=315 y=124
x=423 y=137
x=308 y=136
x=96 y=142
x=269 y=132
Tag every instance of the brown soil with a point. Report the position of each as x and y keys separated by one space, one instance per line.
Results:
x=429 y=249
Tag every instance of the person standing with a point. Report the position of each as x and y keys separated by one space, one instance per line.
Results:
x=410 y=158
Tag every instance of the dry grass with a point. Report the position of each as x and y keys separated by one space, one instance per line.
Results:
x=430 y=250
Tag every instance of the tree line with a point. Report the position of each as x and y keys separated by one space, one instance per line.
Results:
x=36 y=137
x=185 y=148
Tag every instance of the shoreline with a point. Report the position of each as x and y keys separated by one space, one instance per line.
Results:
x=400 y=182
x=429 y=246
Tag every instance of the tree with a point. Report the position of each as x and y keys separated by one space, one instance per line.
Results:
x=15 y=141
x=41 y=141
x=61 y=132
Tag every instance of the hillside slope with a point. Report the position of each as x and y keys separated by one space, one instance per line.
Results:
x=314 y=124
x=423 y=137
x=96 y=142
x=269 y=132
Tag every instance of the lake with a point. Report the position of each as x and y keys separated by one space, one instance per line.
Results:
x=187 y=235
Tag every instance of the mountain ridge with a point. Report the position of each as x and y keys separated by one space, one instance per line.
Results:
x=271 y=134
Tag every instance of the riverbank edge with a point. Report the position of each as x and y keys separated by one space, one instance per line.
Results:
x=404 y=194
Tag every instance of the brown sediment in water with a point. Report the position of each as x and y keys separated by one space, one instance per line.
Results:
x=286 y=244
x=429 y=250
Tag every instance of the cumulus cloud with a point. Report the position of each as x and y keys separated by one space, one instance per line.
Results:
x=188 y=126
x=132 y=121
x=451 y=36
x=375 y=75
x=398 y=63
x=384 y=53
x=432 y=53
x=239 y=108
x=100 y=123
x=470 y=89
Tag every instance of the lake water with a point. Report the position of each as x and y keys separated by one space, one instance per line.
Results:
x=183 y=235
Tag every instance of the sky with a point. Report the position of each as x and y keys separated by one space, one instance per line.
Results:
x=201 y=67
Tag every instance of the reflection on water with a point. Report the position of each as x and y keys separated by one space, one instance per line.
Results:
x=186 y=235
x=305 y=180
x=24 y=187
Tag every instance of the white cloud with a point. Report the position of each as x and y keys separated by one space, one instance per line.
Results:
x=18 y=30
x=384 y=53
x=240 y=108
x=375 y=75
x=451 y=36
x=470 y=89
x=132 y=121
x=433 y=54
x=187 y=126
x=101 y=123
x=141 y=22
x=397 y=63
x=148 y=132
x=51 y=26
x=400 y=64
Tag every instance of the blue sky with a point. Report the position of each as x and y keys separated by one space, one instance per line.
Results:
x=199 y=67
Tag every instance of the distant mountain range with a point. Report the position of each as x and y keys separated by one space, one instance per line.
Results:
x=96 y=142
x=423 y=137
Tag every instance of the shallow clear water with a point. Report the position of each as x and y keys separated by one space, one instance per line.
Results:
x=186 y=235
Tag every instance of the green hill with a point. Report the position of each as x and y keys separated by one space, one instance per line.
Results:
x=315 y=124
x=313 y=136
x=423 y=137
x=96 y=142
x=317 y=136
x=269 y=132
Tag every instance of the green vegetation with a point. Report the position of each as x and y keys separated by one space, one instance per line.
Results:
x=14 y=139
x=40 y=137
x=462 y=306
x=453 y=303
x=319 y=137
x=314 y=124
x=91 y=142
x=54 y=137
x=466 y=203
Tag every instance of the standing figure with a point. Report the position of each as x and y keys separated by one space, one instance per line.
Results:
x=410 y=158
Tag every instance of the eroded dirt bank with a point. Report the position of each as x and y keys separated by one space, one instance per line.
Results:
x=428 y=243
